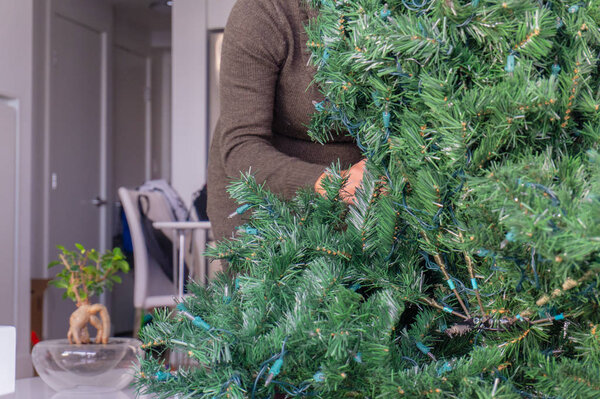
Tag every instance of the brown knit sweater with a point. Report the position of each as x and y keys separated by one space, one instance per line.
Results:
x=266 y=105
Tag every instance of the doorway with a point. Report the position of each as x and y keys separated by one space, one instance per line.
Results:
x=107 y=124
x=141 y=122
x=76 y=141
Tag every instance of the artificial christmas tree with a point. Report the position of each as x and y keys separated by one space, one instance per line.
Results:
x=468 y=265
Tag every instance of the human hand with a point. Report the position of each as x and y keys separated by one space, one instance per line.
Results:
x=354 y=177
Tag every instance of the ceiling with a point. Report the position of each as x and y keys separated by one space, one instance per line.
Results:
x=139 y=13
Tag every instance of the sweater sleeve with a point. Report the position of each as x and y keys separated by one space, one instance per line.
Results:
x=254 y=50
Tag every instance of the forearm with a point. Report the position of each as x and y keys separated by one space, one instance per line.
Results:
x=283 y=174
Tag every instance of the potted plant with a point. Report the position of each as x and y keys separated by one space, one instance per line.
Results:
x=78 y=363
x=86 y=273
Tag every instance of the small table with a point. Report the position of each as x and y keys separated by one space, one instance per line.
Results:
x=180 y=229
x=35 y=388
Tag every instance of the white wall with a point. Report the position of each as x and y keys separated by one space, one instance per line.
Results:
x=16 y=47
x=218 y=12
x=191 y=21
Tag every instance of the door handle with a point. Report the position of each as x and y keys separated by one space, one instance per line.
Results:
x=99 y=202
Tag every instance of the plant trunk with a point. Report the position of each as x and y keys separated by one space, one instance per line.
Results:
x=78 y=331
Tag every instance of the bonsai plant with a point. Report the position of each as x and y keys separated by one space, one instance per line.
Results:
x=87 y=273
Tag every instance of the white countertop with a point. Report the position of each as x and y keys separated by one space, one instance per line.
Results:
x=35 y=388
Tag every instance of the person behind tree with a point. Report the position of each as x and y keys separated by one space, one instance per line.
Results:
x=267 y=99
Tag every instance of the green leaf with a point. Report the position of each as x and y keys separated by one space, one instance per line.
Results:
x=60 y=283
x=123 y=265
x=80 y=247
x=93 y=255
x=53 y=263
x=116 y=279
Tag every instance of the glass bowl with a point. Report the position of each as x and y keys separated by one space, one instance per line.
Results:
x=90 y=367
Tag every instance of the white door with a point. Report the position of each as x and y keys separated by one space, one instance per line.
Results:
x=77 y=136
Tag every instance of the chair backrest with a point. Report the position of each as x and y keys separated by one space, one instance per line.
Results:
x=152 y=288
